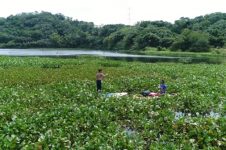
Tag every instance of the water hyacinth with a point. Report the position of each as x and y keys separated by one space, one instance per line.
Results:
x=52 y=103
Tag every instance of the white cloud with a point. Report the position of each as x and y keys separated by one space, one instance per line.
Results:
x=116 y=11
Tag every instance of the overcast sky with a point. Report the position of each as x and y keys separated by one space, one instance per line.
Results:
x=116 y=11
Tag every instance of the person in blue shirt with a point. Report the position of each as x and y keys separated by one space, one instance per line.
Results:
x=162 y=87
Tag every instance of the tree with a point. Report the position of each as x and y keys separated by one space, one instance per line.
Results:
x=192 y=41
x=217 y=33
x=55 y=30
x=181 y=24
x=112 y=41
x=56 y=39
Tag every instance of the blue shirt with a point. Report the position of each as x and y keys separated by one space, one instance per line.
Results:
x=162 y=88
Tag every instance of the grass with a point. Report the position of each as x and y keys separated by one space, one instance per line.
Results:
x=166 y=52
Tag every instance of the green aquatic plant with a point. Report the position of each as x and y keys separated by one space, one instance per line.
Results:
x=46 y=108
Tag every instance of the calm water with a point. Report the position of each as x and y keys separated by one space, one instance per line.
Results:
x=43 y=52
x=111 y=55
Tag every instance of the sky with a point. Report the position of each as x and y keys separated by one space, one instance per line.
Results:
x=103 y=12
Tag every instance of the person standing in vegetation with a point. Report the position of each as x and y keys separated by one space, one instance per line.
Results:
x=99 y=77
x=162 y=87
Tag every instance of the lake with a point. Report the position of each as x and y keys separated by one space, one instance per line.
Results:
x=45 y=52
x=107 y=54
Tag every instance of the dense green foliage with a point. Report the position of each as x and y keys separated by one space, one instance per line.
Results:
x=191 y=40
x=51 y=103
x=35 y=30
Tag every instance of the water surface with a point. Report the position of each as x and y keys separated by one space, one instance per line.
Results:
x=45 y=52
x=107 y=54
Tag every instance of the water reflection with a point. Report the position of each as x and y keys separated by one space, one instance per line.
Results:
x=107 y=54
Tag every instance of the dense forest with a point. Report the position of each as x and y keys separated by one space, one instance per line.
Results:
x=46 y=30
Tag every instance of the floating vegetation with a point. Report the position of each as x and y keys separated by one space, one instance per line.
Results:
x=60 y=109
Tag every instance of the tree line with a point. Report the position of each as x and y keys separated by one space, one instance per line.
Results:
x=46 y=30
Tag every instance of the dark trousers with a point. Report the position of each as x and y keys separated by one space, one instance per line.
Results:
x=99 y=85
